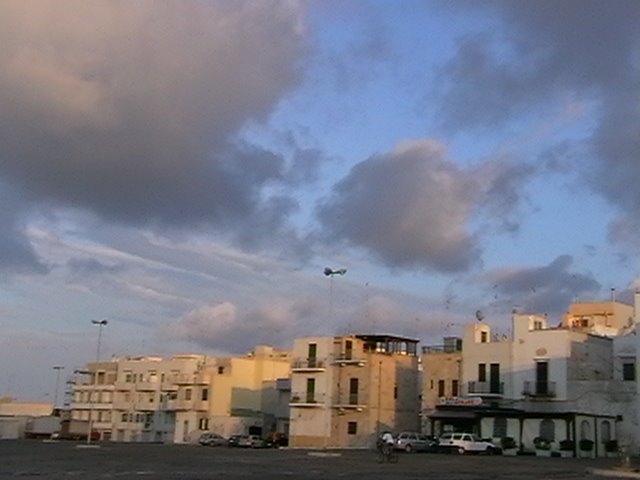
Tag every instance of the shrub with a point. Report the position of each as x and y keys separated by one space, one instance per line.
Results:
x=586 y=445
x=508 y=443
x=611 y=446
x=541 y=443
x=567 y=445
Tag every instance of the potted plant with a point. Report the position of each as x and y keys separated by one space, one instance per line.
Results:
x=586 y=447
x=542 y=446
x=509 y=446
x=611 y=448
x=567 y=448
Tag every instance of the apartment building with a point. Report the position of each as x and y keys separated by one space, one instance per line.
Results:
x=557 y=383
x=346 y=390
x=151 y=399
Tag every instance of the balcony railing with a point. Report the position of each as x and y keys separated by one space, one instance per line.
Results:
x=308 y=365
x=539 y=389
x=485 y=388
x=348 y=359
x=306 y=399
x=350 y=400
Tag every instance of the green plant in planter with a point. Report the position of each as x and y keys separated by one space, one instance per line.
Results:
x=586 y=445
x=541 y=443
x=611 y=446
x=567 y=445
x=508 y=443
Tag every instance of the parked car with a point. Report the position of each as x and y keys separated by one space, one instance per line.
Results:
x=251 y=441
x=234 y=440
x=415 y=442
x=465 y=443
x=210 y=439
x=277 y=440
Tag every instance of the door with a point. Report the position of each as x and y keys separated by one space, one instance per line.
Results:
x=494 y=378
x=542 y=378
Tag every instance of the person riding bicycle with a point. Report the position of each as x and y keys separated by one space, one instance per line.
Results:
x=386 y=443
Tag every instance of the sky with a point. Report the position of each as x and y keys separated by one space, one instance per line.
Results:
x=187 y=169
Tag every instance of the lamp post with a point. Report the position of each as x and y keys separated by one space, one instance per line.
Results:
x=57 y=368
x=100 y=324
x=330 y=272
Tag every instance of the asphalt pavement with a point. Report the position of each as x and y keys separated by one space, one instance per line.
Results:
x=68 y=460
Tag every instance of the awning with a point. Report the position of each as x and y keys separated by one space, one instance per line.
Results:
x=445 y=414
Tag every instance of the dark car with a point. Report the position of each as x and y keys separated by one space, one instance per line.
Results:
x=234 y=440
x=277 y=440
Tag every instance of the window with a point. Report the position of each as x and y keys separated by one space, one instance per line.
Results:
x=205 y=394
x=348 y=349
x=311 y=390
x=353 y=391
x=124 y=418
x=499 y=427
x=311 y=354
x=585 y=430
x=454 y=388
x=352 y=428
x=128 y=377
x=187 y=394
x=395 y=392
x=203 y=424
x=605 y=431
x=629 y=372
x=220 y=370
x=441 y=388
x=482 y=372
x=548 y=430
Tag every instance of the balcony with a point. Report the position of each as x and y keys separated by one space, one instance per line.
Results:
x=177 y=405
x=539 y=389
x=147 y=386
x=345 y=359
x=308 y=365
x=351 y=401
x=485 y=388
x=307 y=399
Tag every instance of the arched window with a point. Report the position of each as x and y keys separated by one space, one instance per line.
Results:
x=585 y=430
x=605 y=431
x=548 y=430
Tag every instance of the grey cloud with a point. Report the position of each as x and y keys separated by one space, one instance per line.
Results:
x=227 y=327
x=16 y=252
x=411 y=207
x=546 y=289
x=129 y=109
x=584 y=49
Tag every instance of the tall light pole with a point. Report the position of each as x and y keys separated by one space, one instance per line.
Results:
x=57 y=368
x=100 y=324
x=330 y=272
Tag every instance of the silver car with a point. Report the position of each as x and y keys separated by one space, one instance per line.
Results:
x=413 y=442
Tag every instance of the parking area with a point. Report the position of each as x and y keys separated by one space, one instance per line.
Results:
x=20 y=459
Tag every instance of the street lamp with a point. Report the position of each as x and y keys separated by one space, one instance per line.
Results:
x=100 y=324
x=330 y=272
x=57 y=368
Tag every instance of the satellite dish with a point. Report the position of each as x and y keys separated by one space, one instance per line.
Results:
x=479 y=315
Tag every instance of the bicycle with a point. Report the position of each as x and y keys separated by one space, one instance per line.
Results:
x=386 y=453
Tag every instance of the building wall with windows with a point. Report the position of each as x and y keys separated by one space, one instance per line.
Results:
x=346 y=390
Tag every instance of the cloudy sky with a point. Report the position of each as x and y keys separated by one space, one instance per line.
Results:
x=187 y=169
